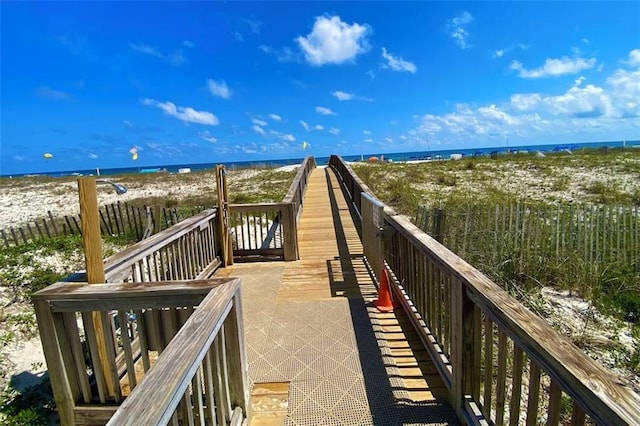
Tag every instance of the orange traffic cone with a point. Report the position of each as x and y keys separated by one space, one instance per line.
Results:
x=384 y=303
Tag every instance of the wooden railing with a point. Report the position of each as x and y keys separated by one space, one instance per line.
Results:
x=160 y=257
x=298 y=187
x=269 y=230
x=501 y=363
x=263 y=231
x=163 y=340
x=188 y=250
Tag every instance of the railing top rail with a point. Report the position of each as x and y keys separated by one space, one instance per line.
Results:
x=354 y=176
x=257 y=207
x=155 y=399
x=307 y=162
x=70 y=297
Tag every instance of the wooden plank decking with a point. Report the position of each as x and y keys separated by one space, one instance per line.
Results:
x=310 y=324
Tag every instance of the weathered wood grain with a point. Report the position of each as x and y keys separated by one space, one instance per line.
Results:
x=155 y=399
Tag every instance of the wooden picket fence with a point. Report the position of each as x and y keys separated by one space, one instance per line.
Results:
x=116 y=219
x=597 y=234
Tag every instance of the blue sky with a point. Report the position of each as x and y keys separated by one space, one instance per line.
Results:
x=207 y=82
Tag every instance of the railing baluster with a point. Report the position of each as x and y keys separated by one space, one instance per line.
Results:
x=534 y=393
x=73 y=336
x=90 y=333
x=143 y=339
x=126 y=346
x=516 y=387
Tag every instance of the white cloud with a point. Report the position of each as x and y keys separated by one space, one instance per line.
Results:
x=284 y=136
x=333 y=41
x=388 y=140
x=305 y=125
x=254 y=24
x=258 y=129
x=368 y=140
x=261 y=123
x=238 y=36
x=634 y=58
x=275 y=117
x=184 y=114
x=499 y=53
x=219 y=88
x=324 y=111
x=458 y=31
x=397 y=63
x=366 y=132
x=92 y=156
x=48 y=92
x=342 y=96
x=555 y=67
x=625 y=92
x=207 y=136
x=188 y=43
x=334 y=131
x=146 y=49
x=175 y=58
x=525 y=102
x=128 y=124
x=283 y=54
x=580 y=102
x=318 y=127
x=583 y=110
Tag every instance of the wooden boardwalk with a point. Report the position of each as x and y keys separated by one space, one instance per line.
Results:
x=318 y=352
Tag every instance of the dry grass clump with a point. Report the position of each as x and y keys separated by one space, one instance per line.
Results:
x=594 y=176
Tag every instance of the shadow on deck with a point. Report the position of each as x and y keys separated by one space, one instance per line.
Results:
x=311 y=324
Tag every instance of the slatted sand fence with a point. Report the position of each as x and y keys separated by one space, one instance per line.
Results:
x=314 y=340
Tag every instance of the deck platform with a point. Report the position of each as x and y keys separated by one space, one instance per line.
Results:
x=319 y=353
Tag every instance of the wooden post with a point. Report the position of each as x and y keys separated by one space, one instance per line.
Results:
x=226 y=245
x=237 y=366
x=92 y=244
x=291 y=232
x=60 y=385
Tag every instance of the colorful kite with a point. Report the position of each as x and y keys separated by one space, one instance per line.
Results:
x=305 y=144
x=134 y=153
x=47 y=155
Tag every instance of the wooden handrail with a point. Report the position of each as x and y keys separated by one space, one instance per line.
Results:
x=469 y=293
x=295 y=195
x=155 y=399
x=263 y=207
x=71 y=297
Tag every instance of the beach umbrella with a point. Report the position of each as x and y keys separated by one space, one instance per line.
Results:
x=373 y=159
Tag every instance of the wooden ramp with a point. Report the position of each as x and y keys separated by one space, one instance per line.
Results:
x=318 y=351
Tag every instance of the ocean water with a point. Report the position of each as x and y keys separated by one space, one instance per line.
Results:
x=396 y=157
